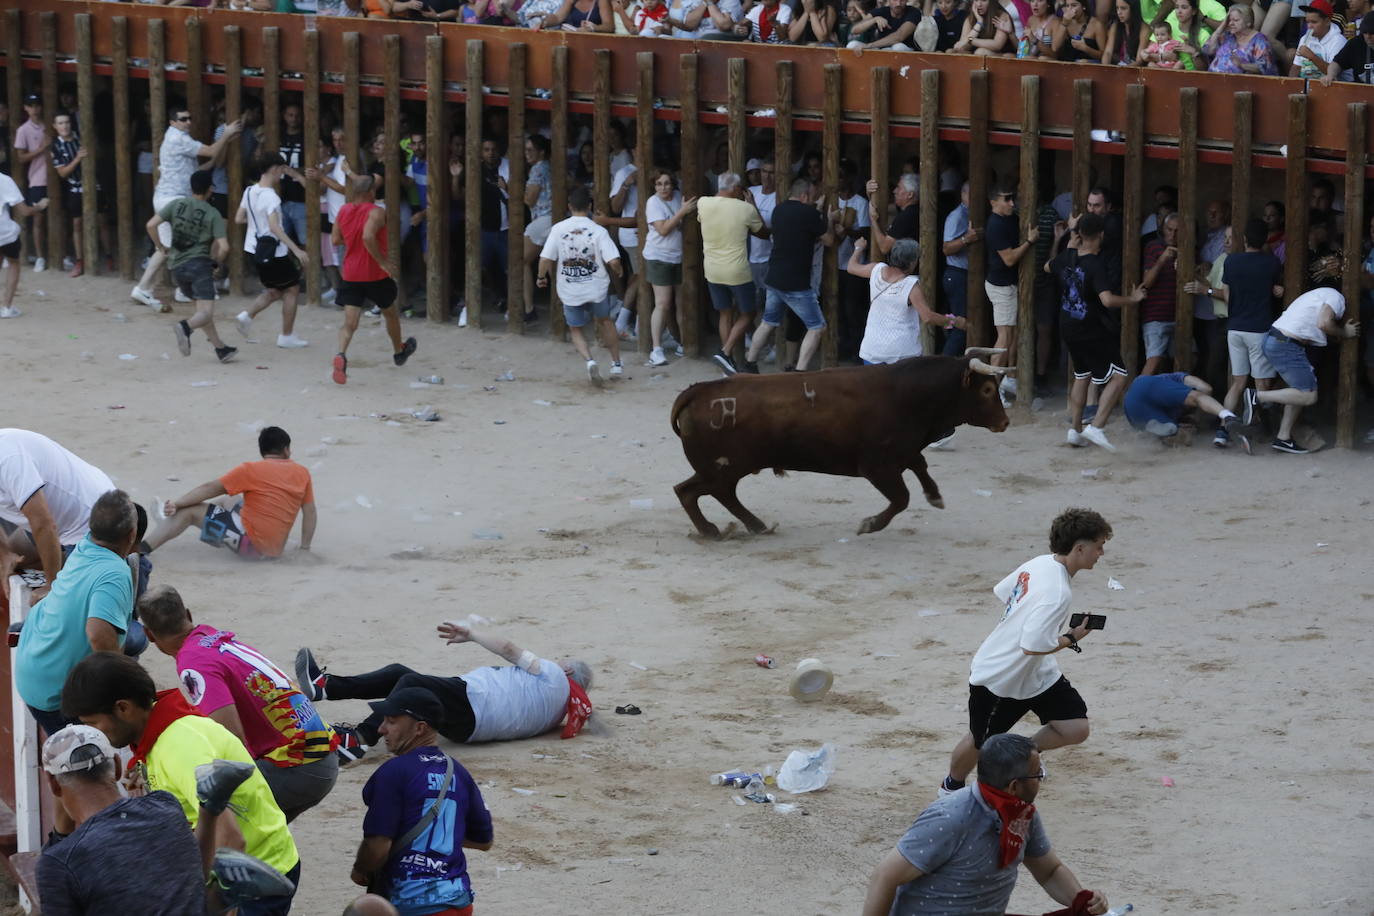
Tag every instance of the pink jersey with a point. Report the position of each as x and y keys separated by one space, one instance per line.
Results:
x=280 y=723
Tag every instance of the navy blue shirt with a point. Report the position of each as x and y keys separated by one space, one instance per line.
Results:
x=1250 y=278
x=1001 y=233
x=432 y=874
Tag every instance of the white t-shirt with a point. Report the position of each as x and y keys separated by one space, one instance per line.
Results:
x=780 y=21
x=665 y=248
x=581 y=248
x=1037 y=598
x=628 y=237
x=261 y=203
x=1300 y=318
x=1326 y=47
x=760 y=250
x=334 y=200
x=509 y=702
x=9 y=196
x=619 y=161
x=177 y=159
x=859 y=205
x=30 y=461
x=893 y=331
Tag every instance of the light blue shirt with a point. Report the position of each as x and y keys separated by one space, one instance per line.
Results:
x=508 y=702
x=94 y=582
x=956 y=224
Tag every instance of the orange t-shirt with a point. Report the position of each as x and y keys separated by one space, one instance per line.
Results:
x=274 y=490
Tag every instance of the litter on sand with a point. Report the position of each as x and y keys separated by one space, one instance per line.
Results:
x=1115 y=585
x=807 y=771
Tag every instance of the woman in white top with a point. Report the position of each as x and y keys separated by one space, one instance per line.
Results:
x=280 y=275
x=662 y=253
x=896 y=307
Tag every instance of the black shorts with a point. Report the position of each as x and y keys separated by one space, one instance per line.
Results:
x=12 y=251
x=196 y=278
x=989 y=714
x=34 y=193
x=279 y=273
x=71 y=203
x=381 y=293
x=1097 y=358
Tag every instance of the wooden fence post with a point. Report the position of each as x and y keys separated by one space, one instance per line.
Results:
x=271 y=89
x=14 y=89
x=830 y=162
x=517 y=55
x=124 y=189
x=1186 y=261
x=601 y=131
x=195 y=81
x=233 y=162
x=1295 y=201
x=85 y=100
x=644 y=156
x=1241 y=190
x=558 y=118
x=737 y=110
x=689 y=311
x=930 y=231
x=391 y=158
x=980 y=333
x=880 y=114
x=56 y=213
x=1357 y=125
x=439 y=182
x=1082 y=159
x=157 y=92
x=1132 y=217
x=310 y=156
x=472 y=190
x=1030 y=184
x=352 y=119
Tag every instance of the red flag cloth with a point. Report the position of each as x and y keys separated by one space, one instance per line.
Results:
x=579 y=709
x=1079 y=907
x=1016 y=820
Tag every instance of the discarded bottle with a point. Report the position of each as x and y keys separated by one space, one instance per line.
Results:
x=432 y=379
x=1121 y=910
x=755 y=791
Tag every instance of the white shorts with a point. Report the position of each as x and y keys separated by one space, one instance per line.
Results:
x=164 y=229
x=1004 y=304
x=1247 y=354
x=538 y=230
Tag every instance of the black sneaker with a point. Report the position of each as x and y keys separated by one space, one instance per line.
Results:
x=406 y=349
x=225 y=354
x=1289 y=446
x=531 y=316
x=1230 y=427
x=751 y=368
x=1251 y=402
x=183 y=335
x=1222 y=438
x=309 y=676
x=351 y=745
x=242 y=878
x=725 y=363
x=217 y=780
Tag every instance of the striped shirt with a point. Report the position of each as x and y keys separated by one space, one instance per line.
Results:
x=63 y=152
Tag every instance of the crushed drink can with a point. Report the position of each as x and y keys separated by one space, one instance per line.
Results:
x=763 y=661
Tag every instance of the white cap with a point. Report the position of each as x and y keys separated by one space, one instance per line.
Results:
x=753 y=164
x=811 y=681
x=76 y=748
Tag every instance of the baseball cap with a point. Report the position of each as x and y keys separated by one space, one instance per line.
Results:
x=753 y=164
x=1322 y=7
x=76 y=748
x=417 y=702
x=1367 y=24
x=33 y=98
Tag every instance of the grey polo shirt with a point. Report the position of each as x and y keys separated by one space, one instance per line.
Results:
x=955 y=845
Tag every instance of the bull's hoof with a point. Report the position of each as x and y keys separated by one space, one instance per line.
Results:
x=761 y=528
x=936 y=501
x=708 y=532
x=870 y=525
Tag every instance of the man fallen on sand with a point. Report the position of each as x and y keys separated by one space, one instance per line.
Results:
x=1156 y=403
x=274 y=490
x=492 y=703
x=240 y=688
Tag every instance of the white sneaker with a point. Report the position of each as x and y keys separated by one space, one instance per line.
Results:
x=772 y=355
x=224 y=284
x=68 y=262
x=245 y=323
x=291 y=342
x=328 y=296
x=39 y=265
x=182 y=297
x=617 y=369
x=138 y=294
x=594 y=372
x=374 y=312
x=1368 y=437
x=1096 y=436
x=679 y=351
x=15 y=313
x=1075 y=438
x=463 y=317
x=656 y=357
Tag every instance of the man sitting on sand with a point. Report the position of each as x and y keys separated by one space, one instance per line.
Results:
x=1155 y=403
x=492 y=703
x=274 y=490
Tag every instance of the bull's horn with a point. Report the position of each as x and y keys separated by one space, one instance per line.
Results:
x=984 y=351
x=977 y=365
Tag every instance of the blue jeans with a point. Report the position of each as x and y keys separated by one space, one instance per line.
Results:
x=955 y=283
x=495 y=251
x=293 y=220
x=1290 y=360
x=802 y=302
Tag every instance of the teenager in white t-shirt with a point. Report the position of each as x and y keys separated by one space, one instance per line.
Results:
x=1014 y=670
x=585 y=257
x=663 y=214
x=12 y=201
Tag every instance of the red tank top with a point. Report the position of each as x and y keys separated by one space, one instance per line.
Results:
x=359 y=266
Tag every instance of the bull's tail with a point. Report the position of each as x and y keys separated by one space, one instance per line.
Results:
x=683 y=401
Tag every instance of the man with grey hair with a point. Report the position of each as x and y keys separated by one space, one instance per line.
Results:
x=493 y=703
x=727 y=220
x=906 y=223
x=960 y=855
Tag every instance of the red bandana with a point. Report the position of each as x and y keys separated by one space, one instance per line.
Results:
x=169 y=706
x=1016 y=820
x=1079 y=906
x=767 y=18
x=579 y=709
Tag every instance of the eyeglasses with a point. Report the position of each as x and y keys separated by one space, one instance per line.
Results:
x=1040 y=775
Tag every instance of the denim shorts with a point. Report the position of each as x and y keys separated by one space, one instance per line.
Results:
x=1159 y=338
x=577 y=316
x=802 y=302
x=1290 y=360
x=724 y=298
x=196 y=278
x=1155 y=397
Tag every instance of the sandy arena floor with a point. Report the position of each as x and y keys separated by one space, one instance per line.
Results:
x=1232 y=663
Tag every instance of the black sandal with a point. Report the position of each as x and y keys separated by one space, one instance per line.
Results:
x=630 y=710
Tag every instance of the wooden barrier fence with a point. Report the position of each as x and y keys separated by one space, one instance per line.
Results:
x=1188 y=118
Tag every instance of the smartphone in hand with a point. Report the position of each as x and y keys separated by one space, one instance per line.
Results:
x=1095 y=621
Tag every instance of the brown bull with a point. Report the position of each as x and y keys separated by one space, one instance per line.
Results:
x=866 y=421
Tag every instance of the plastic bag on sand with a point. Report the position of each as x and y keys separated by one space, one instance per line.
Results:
x=807 y=771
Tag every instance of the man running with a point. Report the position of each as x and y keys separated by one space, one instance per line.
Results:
x=198 y=242
x=11 y=248
x=361 y=229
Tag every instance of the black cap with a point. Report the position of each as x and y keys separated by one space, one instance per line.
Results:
x=1367 y=24
x=33 y=98
x=417 y=702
